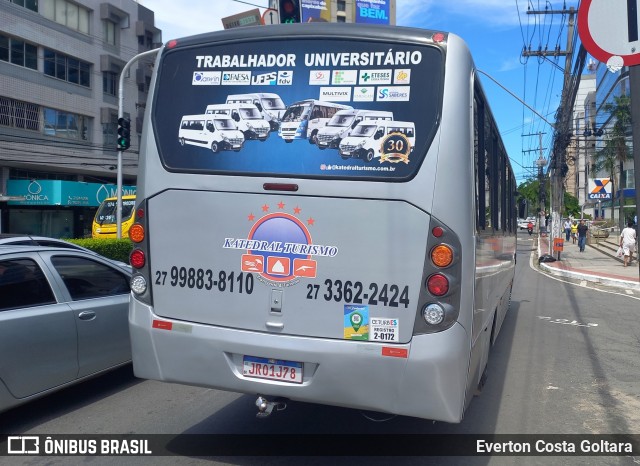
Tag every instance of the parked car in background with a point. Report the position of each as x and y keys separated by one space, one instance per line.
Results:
x=63 y=319
x=28 y=240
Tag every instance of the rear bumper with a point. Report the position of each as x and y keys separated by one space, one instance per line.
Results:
x=429 y=383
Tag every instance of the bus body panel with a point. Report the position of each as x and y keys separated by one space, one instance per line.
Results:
x=432 y=383
x=340 y=373
x=321 y=258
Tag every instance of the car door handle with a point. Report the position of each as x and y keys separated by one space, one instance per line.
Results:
x=87 y=315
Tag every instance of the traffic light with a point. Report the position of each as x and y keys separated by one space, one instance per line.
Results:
x=124 y=133
x=289 y=11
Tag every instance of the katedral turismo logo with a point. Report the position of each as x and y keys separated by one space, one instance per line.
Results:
x=279 y=247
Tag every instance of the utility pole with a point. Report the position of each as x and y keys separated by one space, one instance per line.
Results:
x=542 y=195
x=558 y=166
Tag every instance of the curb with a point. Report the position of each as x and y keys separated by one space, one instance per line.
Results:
x=615 y=282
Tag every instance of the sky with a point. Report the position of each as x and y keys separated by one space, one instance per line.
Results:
x=495 y=31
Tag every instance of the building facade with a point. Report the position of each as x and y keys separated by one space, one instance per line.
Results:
x=60 y=64
x=581 y=148
x=610 y=87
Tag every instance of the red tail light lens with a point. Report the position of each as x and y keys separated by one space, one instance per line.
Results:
x=438 y=284
x=137 y=259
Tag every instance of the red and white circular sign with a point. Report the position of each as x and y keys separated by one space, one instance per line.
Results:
x=609 y=30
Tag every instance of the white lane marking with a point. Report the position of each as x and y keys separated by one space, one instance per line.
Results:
x=628 y=292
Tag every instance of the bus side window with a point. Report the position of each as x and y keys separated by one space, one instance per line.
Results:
x=210 y=127
x=409 y=132
x=379 y=133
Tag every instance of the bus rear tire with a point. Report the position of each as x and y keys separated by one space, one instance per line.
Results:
x=214 y=147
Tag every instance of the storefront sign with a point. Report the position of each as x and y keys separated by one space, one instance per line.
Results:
x=63 y=193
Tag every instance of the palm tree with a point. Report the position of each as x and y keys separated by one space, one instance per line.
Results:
x=615 y=152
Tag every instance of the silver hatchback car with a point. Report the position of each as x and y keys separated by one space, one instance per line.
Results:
x=63 y=318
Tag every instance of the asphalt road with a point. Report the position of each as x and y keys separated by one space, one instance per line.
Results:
x=566 y=362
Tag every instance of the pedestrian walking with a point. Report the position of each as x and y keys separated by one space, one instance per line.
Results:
x=574 y=231
x=628 y=242
x=567 y=230
x=582 y=235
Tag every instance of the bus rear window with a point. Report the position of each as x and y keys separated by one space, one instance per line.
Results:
x=292 y=94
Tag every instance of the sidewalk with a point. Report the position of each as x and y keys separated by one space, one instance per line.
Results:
x=595 y=264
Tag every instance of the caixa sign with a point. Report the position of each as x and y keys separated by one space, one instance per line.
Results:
x=599 y=188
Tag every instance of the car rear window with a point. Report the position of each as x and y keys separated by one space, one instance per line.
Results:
x=23 y=285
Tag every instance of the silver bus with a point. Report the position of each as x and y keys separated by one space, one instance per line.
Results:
x=285 y=272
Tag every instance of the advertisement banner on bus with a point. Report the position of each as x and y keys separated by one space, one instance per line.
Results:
x=327 y=108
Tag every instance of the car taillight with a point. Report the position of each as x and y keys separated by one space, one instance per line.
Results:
x=137 y=259
x=437 y=284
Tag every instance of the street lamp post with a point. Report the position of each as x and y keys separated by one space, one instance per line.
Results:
x=120 y=115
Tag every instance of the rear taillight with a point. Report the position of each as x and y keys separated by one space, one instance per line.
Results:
x=136 y=233
x=137 y=259
x=438 y=284
x=440 y=300
x=442 y=255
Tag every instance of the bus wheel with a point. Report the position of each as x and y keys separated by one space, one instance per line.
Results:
x=182 y=141
x=288 y=141
x=368 y=157
x=313 y=139
x=214 y=147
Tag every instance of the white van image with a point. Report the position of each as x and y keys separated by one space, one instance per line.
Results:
x=247 y=117
x=365 y=141
x=343 y=122
x=303 y=119
x=270 y=105
x=215 y=132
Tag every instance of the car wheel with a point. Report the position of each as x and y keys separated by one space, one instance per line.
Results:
x=181 y=141
x=313 y=139
x=368 y=157
x=215 y=148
